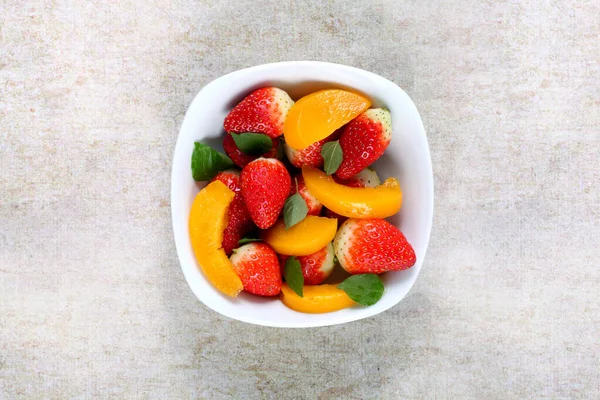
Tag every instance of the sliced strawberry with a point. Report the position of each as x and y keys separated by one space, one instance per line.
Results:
x=262 y=111
x=241 y=159
x=314 y=205
x=257 y=266
x=239 y=222
x=363 y=141
x=316 y=267
x=265 y=187
x=372 y=246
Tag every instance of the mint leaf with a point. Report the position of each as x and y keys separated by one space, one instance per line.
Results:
x=294 y=210
x=248 y=240
x=293 y=275
x=365 y=289
x=332 y=155
x=207 y=162
x=253 y=144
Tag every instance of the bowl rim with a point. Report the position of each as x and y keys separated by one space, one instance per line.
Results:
x=259 y=68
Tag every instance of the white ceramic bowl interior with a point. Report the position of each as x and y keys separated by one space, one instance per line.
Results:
x=407 y=158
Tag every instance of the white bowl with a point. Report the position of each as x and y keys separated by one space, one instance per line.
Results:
x=407 y=158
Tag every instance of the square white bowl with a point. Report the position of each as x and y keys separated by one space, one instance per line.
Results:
x=407 y=158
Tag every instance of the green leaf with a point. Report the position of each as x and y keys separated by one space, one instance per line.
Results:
x=252 y=143
x=293 y=275
x=365 y=289
x=248 y=240
x=294 y=210
x=207 y=162
x=332 y=155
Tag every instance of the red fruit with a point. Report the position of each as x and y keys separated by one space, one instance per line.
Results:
x=363 y=141
x=316 y=267
x=365 y=178
x=314 y=205
x=258 y=267
x=311 y=155
x=241 y=159
x=265 y=187
x=262 y=111
x=372 y=246
x=239 y=222
x=332 y=214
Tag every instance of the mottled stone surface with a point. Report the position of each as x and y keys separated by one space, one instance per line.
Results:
x=93 y=303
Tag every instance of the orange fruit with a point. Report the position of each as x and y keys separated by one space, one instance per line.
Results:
x=306 y=237
x=317 y=299
x=318 y=115
x=382 y=201
x=208 y=219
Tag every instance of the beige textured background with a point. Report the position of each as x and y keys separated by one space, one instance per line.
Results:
x=93 y=303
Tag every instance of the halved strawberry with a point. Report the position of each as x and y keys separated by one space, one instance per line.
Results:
x=241 y=159
x=363 y=141
x=314 y=205
x=316 y=267
x=262 y=111
x=265 y=187
x=372 y=246
x=257 y=266
x=239 y=222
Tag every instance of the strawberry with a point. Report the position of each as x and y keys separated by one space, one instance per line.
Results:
x=316 y=267
x=262 y=111
x=265 y=187
x=310 y=156
x=365 y=178
x=372 y=246
x=239 y=221
x=363 y=140
x=314 y=205
x=241 y=159
x=258 y=267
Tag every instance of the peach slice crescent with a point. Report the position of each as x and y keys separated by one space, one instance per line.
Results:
x=382 y=201
x=319 y=114
x=306 y=237
x=208 y=219
x=316 y=299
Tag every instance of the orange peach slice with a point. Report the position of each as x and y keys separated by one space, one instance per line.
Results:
x=382 y=201
x=317 y=299
x=318 y=115
x=306 y=237
x=208 y=219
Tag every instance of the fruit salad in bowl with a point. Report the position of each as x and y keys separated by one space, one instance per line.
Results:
x=298 y=180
